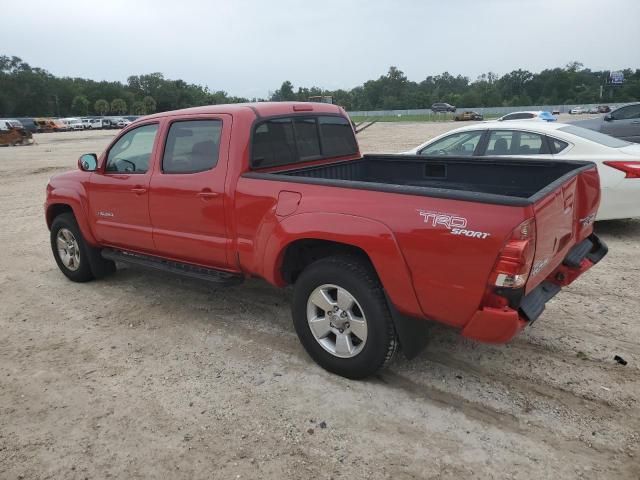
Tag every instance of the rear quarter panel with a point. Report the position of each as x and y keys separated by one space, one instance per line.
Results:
x=425 y=268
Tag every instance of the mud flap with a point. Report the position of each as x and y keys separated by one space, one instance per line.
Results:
x=413 y=333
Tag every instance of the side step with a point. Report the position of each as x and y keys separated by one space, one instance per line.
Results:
x=218 y=277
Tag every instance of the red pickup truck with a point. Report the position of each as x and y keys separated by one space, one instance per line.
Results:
x=374 y=245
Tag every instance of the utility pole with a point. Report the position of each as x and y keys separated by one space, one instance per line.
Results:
x=57 y=105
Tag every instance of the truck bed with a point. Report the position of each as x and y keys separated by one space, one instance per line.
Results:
x=511 y=181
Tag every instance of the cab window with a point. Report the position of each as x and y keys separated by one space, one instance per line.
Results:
x=192 y=146
x=132 y=152
x=457 y=144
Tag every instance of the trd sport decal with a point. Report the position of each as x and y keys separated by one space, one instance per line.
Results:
x=456 y=225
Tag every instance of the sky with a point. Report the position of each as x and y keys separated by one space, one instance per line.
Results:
x=249 y=47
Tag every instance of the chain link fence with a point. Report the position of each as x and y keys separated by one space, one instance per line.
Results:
x=486 y=111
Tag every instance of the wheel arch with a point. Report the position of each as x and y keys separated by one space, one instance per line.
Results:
x=63 y=201
x=301 y=239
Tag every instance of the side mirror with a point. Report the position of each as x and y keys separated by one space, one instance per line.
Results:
x=88 y=162
x=608 y=117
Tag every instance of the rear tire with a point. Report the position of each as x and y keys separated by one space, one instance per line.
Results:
x=353 y=333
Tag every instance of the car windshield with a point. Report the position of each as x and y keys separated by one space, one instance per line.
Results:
x=594 y=136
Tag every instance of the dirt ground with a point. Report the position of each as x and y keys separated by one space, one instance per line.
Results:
x=142 y=375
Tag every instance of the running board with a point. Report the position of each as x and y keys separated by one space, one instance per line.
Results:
x=186 y=270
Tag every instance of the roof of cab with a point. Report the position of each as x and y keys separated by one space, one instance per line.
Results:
x=259 y=109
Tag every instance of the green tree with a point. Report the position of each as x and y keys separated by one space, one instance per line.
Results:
x=118 y=106
x=138 y=108
x=149 y=104
x=284 y=93
x=80 y=105
x=101 y=106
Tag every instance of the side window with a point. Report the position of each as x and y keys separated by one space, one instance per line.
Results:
x=513 y=142
x=457 y=144
x=557 y=145
x=192 y=146
x=131 y=153
x=518 y=116
x=627 y=113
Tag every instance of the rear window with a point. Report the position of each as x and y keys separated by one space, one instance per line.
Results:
x=594 y=136
x=517 y=116
x=282 y=141
x=557 y=145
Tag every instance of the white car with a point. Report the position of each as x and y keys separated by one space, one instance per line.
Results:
x=540 y=115
x=577 y=111
x=73 y=123
x=119 y=122
x=96 y=123
x=618 y=161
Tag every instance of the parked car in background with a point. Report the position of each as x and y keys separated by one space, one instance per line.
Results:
x=47 y=125
x=468 y=115
x=29 y=124
x=96 y=124
x=13 y=133
x=604 y=109
x=622 y=122
x=618 y=161
x=131 y=118
x=556 y=111
x=577 y=111
x=531 y=115
x=107 y=123
x=60 y=125
x=86 y=123
x=442 y=107
x=592 y=110
x=116 y=122
x=73 y=123
x=11 y=123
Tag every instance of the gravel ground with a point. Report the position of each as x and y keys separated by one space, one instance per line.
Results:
x=149 y=376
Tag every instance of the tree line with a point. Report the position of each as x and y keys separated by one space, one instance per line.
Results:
x=33 y=91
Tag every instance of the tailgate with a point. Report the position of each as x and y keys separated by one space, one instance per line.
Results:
x=564 y=217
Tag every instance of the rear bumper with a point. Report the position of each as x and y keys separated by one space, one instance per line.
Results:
x=499 y=325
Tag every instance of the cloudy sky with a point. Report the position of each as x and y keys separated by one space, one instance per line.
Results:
x=248 y=47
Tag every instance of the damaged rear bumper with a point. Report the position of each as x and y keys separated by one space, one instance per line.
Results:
x=499 y=325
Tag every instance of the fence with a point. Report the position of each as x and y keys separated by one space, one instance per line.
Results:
x=490 y=111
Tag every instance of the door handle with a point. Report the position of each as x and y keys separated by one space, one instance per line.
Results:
x=139 y=190
x=207 y=194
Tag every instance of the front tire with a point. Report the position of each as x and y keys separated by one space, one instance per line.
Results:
x=79 y=261
x=70 y=249
x=341 y=316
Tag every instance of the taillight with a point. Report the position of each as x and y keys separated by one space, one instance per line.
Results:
x=630 y=168
x=515 y=260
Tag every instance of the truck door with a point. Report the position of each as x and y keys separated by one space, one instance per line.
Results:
x=187 y=191
x=119 y=191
